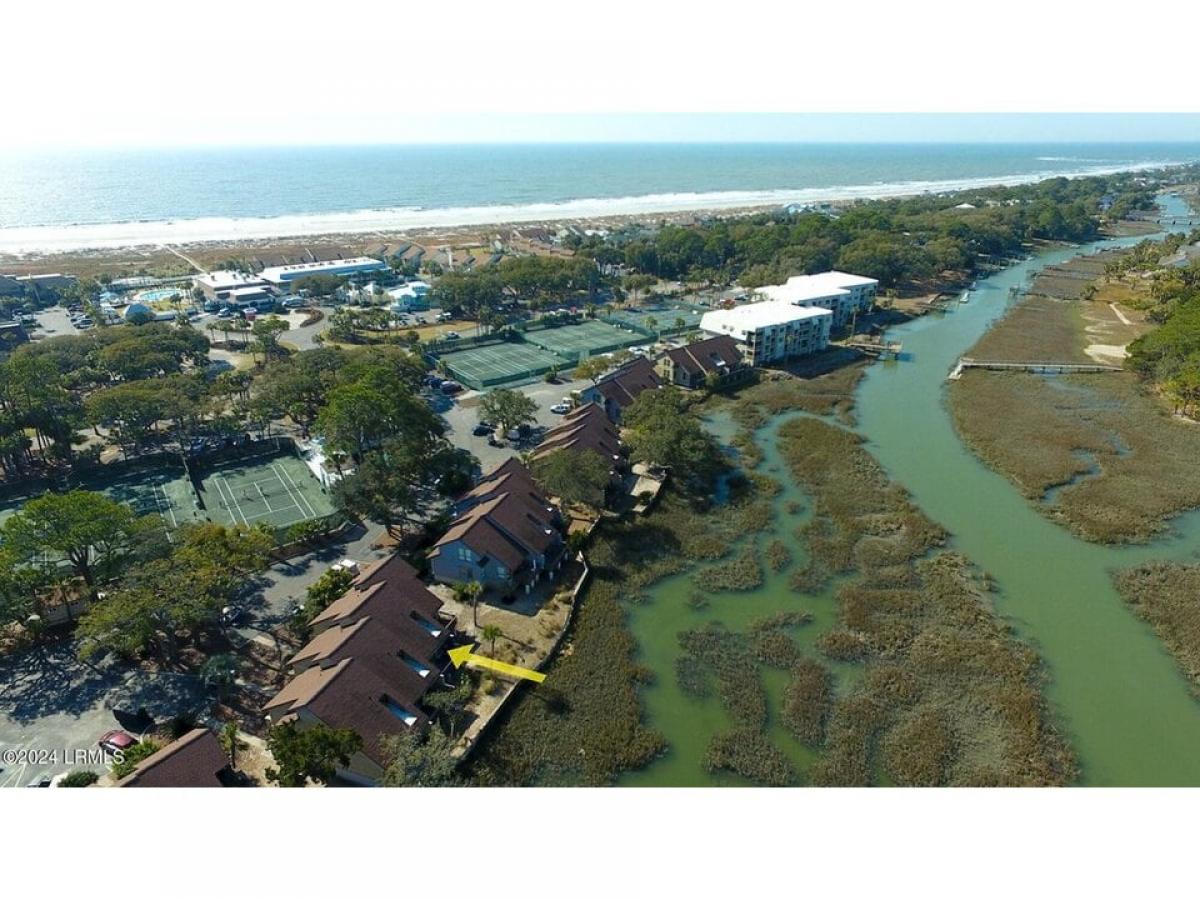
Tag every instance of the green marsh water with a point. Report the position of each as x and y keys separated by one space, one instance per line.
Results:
x=1116 y=692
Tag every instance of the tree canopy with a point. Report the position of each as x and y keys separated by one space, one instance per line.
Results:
x=314 y=753
x=659 y=429
x=506 y=409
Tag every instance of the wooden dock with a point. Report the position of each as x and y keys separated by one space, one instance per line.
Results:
x=881 y=349
x=1040 y=368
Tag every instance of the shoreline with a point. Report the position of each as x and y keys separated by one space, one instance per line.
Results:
x=26 y=245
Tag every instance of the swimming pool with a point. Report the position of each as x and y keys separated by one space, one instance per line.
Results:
x=159 y=294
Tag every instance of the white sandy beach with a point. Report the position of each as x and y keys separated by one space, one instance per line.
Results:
x=18 y=241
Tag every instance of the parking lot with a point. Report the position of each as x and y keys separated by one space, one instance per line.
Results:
x=461 y=417
x=54 y=708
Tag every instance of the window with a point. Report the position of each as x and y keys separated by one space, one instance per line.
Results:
x=415 y=664
x=426 y=624
x=399 y=711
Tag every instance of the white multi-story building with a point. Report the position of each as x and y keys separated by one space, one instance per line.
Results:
x=771 y=330
x=841 y=293
x=358 y=265
x=219 y=285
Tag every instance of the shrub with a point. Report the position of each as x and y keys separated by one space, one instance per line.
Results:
x=79 y=778
x=131 y=757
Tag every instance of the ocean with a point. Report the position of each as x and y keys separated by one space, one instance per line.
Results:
x=95 y=199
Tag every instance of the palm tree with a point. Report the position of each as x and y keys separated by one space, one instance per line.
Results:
x=491 y=633
x=469 y=593
x=230 y=743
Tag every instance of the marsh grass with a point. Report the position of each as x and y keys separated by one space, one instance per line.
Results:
x=860 y=519
x=742 y=573
x=1124 y=464
x=728 y=656
x=594 y=730
x=807 y=701
x=775 y=649
x=947 y=695
x=1167 y=596
x=781 y=621
x=751 y=755
x=829 y=393
x=779 y=557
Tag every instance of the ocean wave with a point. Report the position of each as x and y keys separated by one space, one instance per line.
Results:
x=16 y=240
x=1074 y=159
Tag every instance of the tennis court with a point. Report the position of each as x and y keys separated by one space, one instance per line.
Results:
x=574 y=342
x=163 y=492
x=667 y=320
x=492 y=364
x=276 y=491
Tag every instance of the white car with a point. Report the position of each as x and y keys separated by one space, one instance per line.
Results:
x=348 y=565
x=560 y=409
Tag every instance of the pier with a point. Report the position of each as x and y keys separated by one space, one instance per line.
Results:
x=1041 y=368
x=881 y=349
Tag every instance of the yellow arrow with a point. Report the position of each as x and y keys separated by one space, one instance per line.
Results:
x=461 y=655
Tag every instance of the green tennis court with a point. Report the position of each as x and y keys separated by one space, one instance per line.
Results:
x=276 y=491
x=492 y=364
x=166 y=493
x=666 y=320
x=573 y=342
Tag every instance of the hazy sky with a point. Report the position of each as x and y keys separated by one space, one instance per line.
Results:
x=227 y=72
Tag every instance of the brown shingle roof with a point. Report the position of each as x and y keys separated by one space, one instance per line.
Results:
x=390 y=592
x=192 y=761
x=511 y=477
x=485 y=539
x=347 y=695
x=622 y=386
x=586 y=428
x=379 y=648
x=710 y=355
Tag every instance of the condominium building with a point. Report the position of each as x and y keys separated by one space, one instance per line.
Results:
x=841 y=293
x=771 y=330
x=280 y=276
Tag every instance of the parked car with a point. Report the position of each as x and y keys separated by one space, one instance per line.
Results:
x=560 y=409
x=225 y=313
x=493 y=442
x=347 y=565
x=293 y=303
x=481 y=429
x=452 y=336
x=40 y=781
x=450 y=387
x=112 y=741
